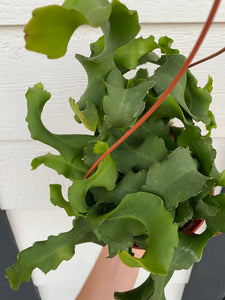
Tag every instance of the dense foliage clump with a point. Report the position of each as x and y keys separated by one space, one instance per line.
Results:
x=158 y=180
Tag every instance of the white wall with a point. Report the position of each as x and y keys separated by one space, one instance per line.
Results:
x=25 y=194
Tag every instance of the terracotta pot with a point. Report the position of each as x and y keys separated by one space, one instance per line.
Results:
x=192 y=226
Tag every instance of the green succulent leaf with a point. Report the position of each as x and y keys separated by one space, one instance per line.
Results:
x=129 y=184
x=216 y=223
x=105 y=176
x=57 y=198
x=51 y=27
x=98 y=46
x=198 y=99
x=189 y=250
x=127 y=56
x=89 y=116
x=157 y=256
x=168 y=109
x=175 y=179
x=97 y=72
x=212 y=124
x=143 y=292
x=193 y=100
x=141 y=76
x=150 y=57
x=204 y=208
x=46 y=255
x=96 y=11
x=160 y=282
x=136 y=214
x=138 y=157
x=122 y=106
x=165 y=74
x=73 y=170
x=70 y=146
x=121 y=27
x=157 y=128
x=165 y=45
x=200 y=146
x=85 y=233
x=222 y=179
x=124 y=245
x=184 y=213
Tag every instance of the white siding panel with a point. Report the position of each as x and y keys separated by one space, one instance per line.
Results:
x=31 y=225
x=161 y=11
x=219 y=145
x=65 y=77
x=19 y=186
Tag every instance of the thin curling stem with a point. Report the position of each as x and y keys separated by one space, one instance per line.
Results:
x=168 y=90
x=207 y=58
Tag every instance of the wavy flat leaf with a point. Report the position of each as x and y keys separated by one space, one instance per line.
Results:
x=136 y=214
x=45 y=255
x=189 y=250
x=165 y=74
x=200 y=146
x=198 y=99
x=216 y=223
x=98 y=46
x=96 y=11
x=127 y=56
x=150 y=57
x=176 y=178
x=73 y=170
x=97 y=72
x=90 y=157
x=51 y=27
x=158 y=254
x=155 y=127
x=165 y=45
x=141 y=76
x=121 y=27
x=105 y=176
x=222 y=178
x=57 y=198
x=129 y=184
x=168 y=109
x=152 y=288
x=212 y=124
x=206 y=193
x=122 y=106
x=70 y=146
x=184 y=213
x=89 y=116
x=150 y=150
x=160 y=282
x=142 y=292
x=205 y=208
x=126 y=244
x=85 y=233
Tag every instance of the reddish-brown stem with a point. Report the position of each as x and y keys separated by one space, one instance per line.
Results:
x=207 y=58
x=168 y=90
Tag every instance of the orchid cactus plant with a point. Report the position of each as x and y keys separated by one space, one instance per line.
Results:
x=157 y=181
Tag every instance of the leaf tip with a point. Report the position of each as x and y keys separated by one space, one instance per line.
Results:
x=100 y=147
